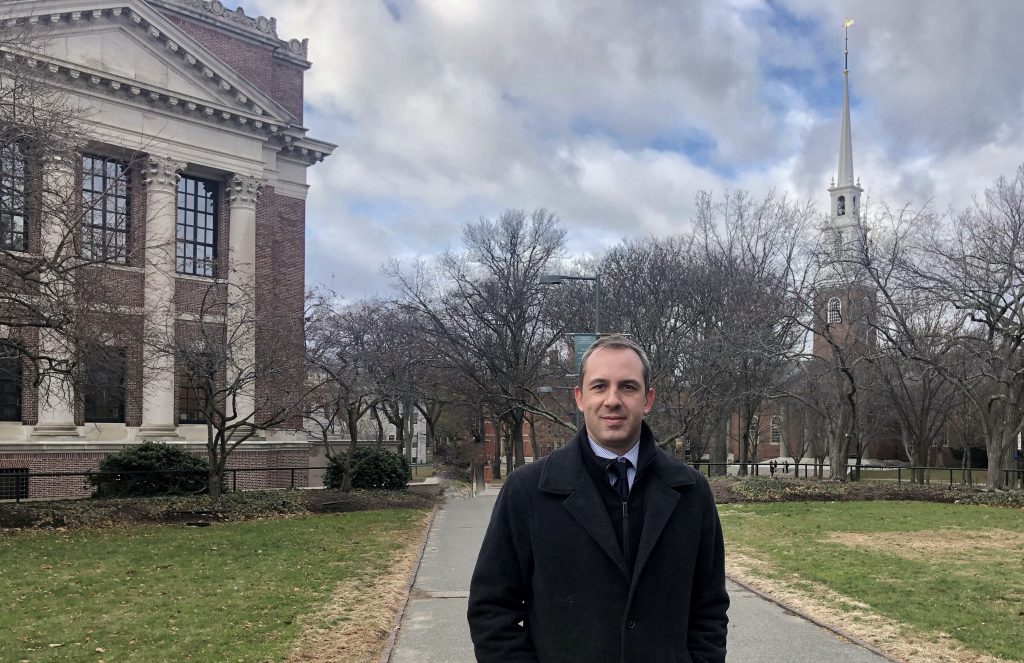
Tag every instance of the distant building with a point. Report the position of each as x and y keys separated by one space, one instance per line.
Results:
x=197 y=112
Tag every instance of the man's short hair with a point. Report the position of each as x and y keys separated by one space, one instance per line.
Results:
x=617 y=342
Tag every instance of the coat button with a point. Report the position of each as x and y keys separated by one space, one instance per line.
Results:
x=631 y=624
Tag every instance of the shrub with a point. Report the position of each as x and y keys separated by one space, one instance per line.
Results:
x=765 y=489
x=151 y=468
x=381 y=469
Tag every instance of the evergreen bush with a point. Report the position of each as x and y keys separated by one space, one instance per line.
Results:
x=149 y=469
x=382 y=469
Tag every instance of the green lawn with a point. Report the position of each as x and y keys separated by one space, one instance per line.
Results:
x=936 y=476
x=938 y=568
x=422 y=471
x=232 y=592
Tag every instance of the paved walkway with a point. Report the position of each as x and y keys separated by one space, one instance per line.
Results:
x=434 y=628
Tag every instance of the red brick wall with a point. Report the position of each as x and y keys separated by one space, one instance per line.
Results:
x=267 y=478
x=280 y=296
x=287 y=87
x=281 y=81
x=66 y=487
x=56 y=487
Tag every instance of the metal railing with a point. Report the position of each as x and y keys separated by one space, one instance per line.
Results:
x=18 y=485
x=1013 y=478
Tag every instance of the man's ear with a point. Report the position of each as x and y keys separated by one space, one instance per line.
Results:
x=649 y=403
x=578 y=393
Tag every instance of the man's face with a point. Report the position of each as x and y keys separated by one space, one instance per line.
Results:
x=612 y=399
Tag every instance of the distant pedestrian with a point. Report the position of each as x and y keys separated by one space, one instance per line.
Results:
x=608 y=550
x=785 y=467
x=771 y=468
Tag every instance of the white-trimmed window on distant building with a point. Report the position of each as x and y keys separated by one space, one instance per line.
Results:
x=835 y=310
x=776 y=430
x=106 y=208
x=196 y=251
x=13 y=236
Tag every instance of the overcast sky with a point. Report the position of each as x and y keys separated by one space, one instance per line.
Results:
x=614 y=114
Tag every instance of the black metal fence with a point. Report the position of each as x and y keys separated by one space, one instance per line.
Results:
x=20 y=484
x=1012 y=478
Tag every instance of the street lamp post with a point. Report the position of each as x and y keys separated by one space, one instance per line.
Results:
x=555 y=279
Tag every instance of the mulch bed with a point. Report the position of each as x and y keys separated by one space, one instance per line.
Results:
x=199 y=510
x=730 y=490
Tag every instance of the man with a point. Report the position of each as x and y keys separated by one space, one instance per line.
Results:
x=593 y=559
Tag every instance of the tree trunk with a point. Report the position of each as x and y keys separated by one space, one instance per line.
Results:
x=509 y=453
x=353 y=444
x=515 y=426
x=718 y=452
x=496 y=426
x=996 y=479
x=215 y=480
x=533 y=437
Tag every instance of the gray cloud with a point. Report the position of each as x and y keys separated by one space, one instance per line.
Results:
x=615 y=114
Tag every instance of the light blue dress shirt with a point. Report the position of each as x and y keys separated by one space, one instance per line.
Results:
x=632 y=455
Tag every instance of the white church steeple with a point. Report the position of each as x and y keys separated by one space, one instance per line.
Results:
x=844 y=220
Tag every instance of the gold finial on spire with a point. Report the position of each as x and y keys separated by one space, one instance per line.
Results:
x=846 y=44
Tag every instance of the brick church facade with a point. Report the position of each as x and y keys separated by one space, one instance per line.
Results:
x=196 y=174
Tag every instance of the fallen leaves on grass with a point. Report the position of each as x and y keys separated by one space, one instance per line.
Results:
x=848 y=615
x=354 y=624
x=912 y=545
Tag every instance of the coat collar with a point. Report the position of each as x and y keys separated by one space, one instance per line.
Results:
x=562 y=472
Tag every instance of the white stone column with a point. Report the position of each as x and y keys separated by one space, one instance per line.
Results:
x=160 y=176
x=58 y=229
x=244 y=193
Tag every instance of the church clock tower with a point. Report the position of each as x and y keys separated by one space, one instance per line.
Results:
x=843 y=298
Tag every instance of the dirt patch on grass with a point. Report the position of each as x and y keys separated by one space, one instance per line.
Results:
x=926 y=543
x=354 y=624
x=849 y=615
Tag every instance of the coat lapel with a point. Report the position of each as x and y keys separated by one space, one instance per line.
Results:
x=585 y=505
x=564 y=474
x=659 y=503
x=663 y=479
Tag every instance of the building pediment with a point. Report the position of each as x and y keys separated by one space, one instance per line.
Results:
x=119 y=53
x=130 y=51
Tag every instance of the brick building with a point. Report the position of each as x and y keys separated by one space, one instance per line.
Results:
x=195 y=177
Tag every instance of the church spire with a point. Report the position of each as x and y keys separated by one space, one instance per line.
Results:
x=845 y=177
x=845 y=191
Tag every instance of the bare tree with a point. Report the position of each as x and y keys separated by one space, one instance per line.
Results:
x=341 y=351
x=486 y=312
x=223 y=380
x=975 y=261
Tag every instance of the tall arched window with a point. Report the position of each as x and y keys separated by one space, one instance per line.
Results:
x=835 y=311
x=777 y=430
x=841 y=206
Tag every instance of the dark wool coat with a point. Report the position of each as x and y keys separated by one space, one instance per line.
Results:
x=551 y=583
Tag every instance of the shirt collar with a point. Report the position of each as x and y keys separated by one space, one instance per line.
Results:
x=633 y=455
